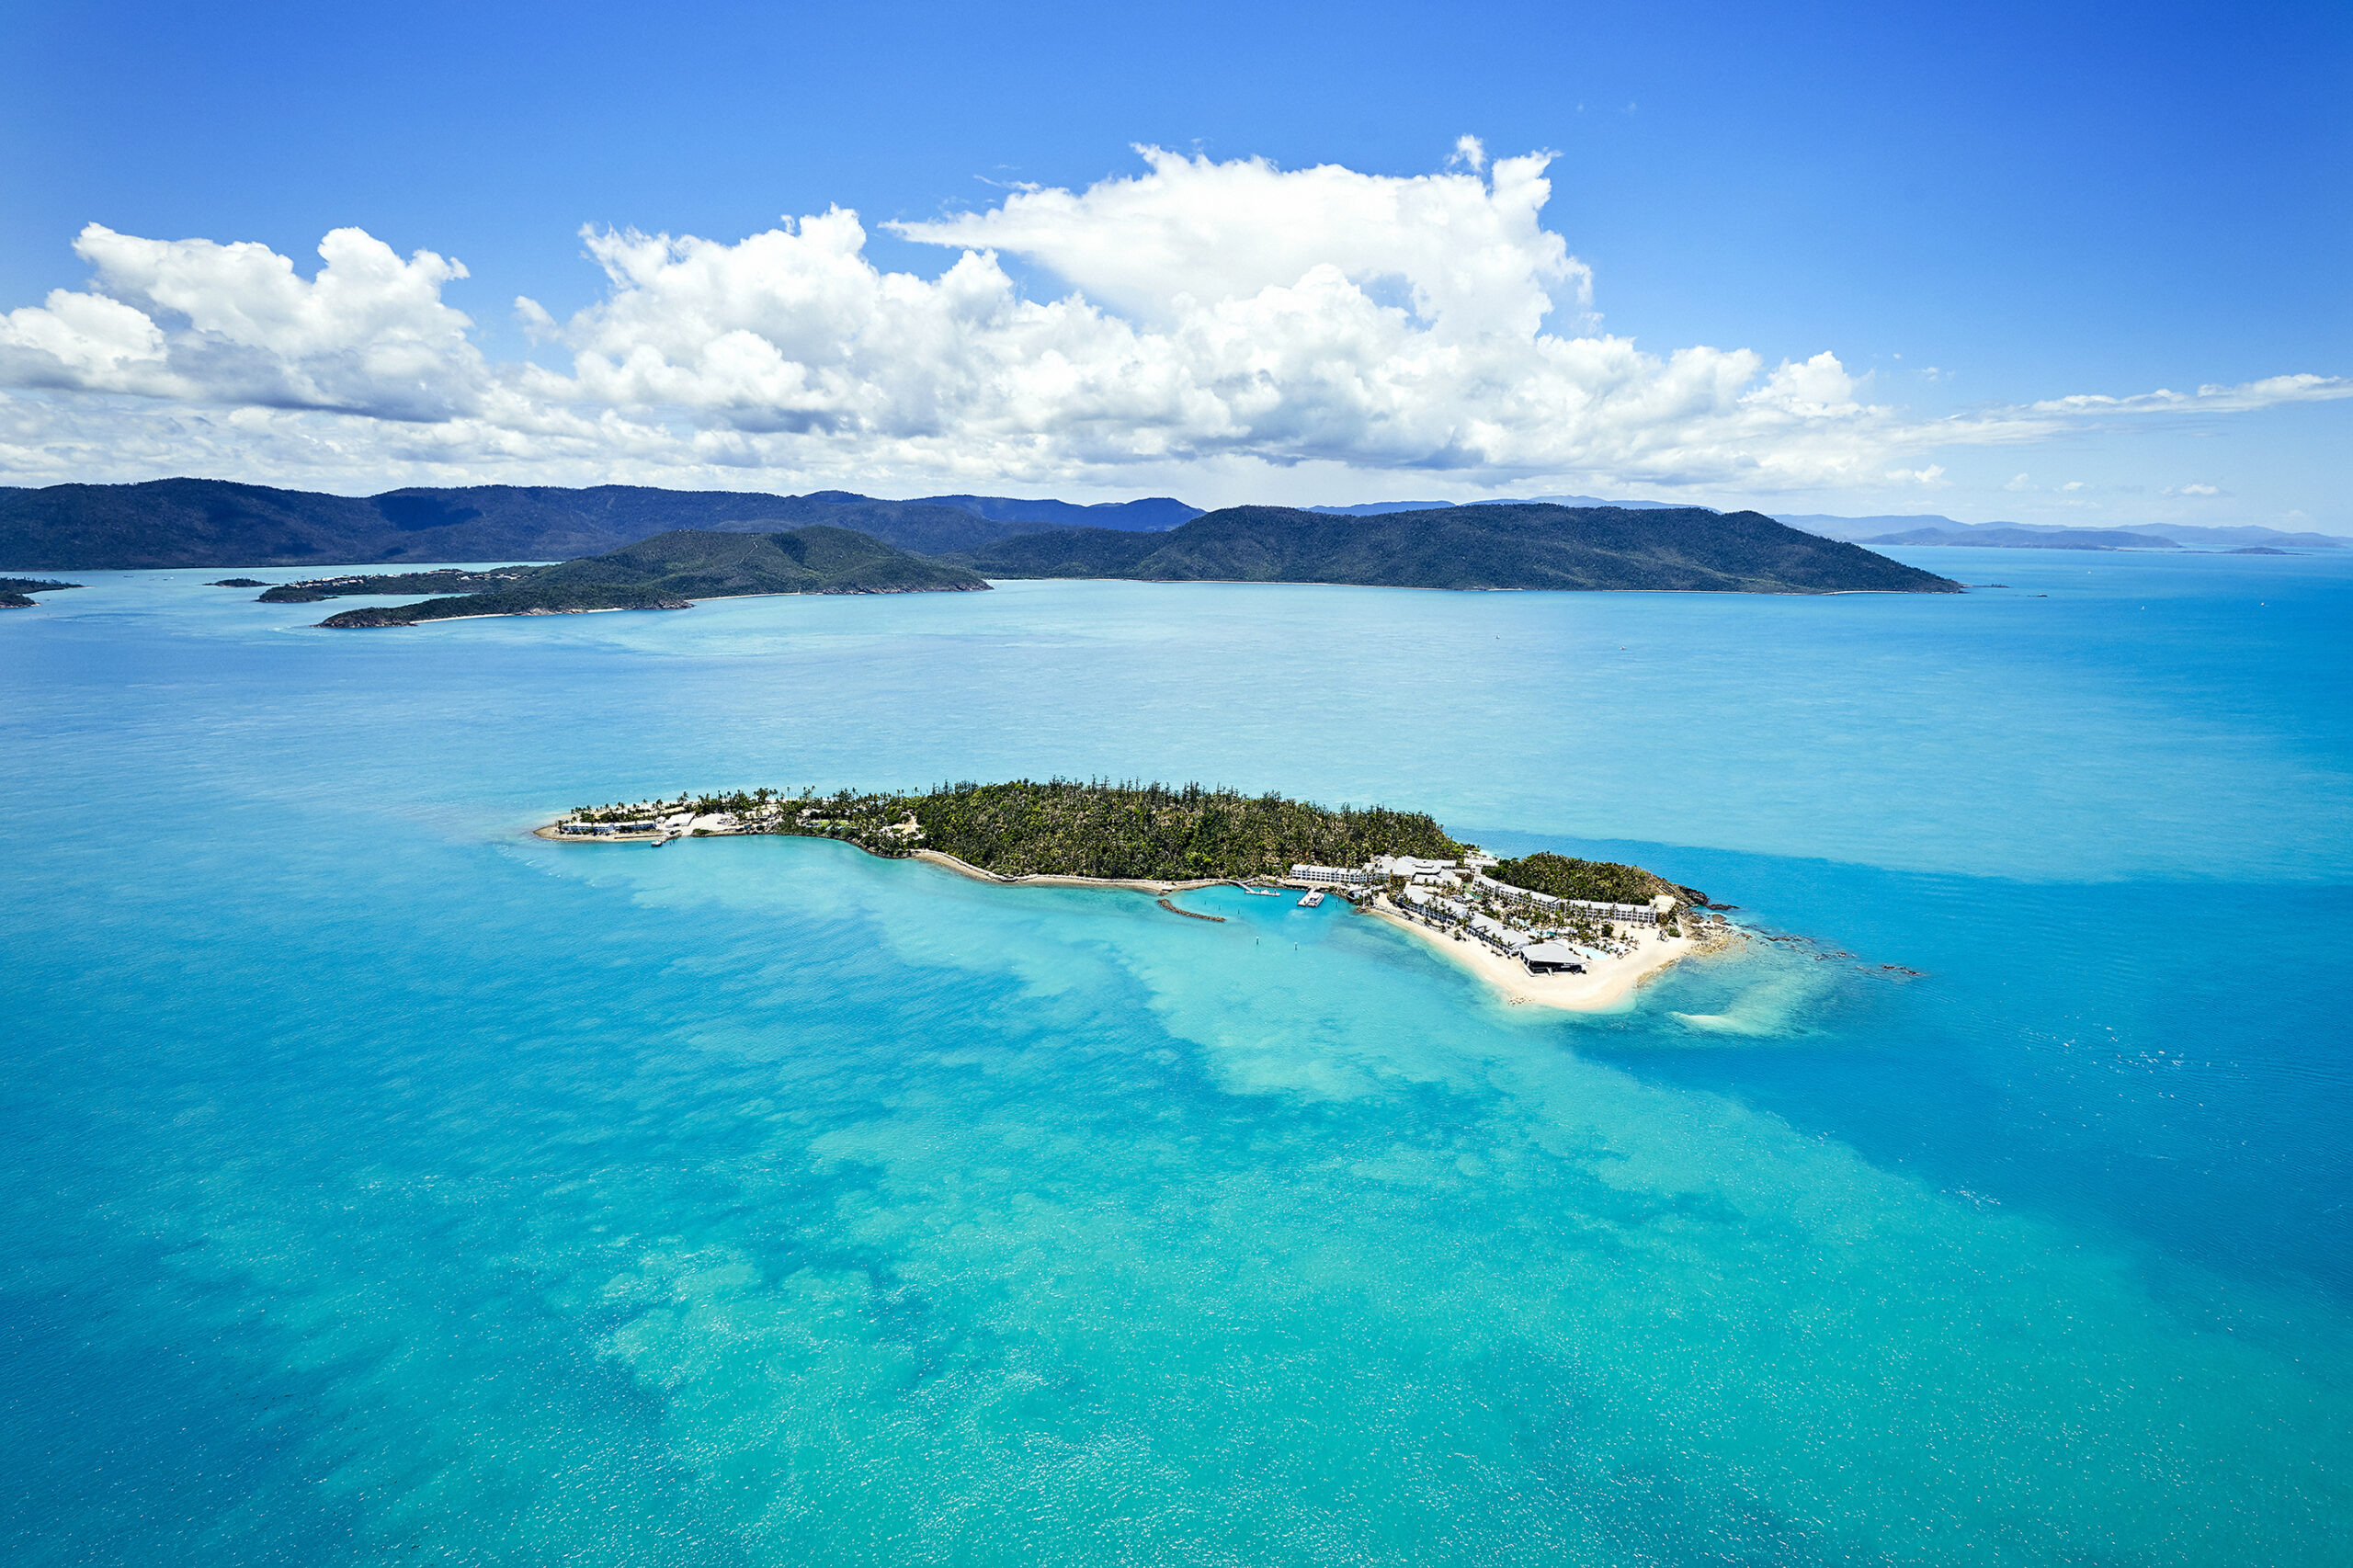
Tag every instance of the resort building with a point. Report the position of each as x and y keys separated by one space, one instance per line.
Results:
x=1552 y=958
x=1428 y=873
x=1332 y=876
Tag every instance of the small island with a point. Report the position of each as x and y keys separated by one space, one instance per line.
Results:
x=1545 y=929
x=669 y=571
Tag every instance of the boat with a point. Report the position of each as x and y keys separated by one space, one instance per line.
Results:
x=1312 y=899
x=1264 y=893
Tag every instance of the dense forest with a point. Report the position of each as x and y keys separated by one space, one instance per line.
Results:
x=1564 y=876
x=1157 y=831
x=1064 y=828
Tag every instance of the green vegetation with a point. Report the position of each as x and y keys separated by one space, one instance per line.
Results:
x=1602 y=881
x=1686 y=548
x=669 y=571
x=1063 y=827
x=1156 y=831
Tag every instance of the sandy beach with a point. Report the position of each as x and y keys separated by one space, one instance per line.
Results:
x=1607 y=982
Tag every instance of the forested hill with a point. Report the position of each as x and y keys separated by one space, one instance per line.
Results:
x=667 y=572
x=210 y=522
x=1533 y=546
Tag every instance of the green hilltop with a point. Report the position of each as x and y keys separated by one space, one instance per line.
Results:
x=1684 y=549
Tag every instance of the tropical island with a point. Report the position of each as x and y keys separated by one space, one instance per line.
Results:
x=1542 y=928
x=15 y=593
x=667 y=572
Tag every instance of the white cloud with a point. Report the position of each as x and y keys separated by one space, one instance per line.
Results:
x=198 y=322
x=2021 y=481
x=2193 y=490
x=1226 y=320
x=1467 y=254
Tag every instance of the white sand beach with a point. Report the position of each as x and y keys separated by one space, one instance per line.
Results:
x=1609 y=981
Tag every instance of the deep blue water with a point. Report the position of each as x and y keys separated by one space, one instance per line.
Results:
x=384 y=1185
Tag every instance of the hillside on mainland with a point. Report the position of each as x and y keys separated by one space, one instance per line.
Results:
x=211 y=522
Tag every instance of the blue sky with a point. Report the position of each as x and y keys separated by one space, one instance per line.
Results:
x=1976 y=212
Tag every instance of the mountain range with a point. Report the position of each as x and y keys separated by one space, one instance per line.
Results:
x=210 y=522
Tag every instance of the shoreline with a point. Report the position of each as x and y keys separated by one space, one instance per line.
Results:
x=1607 y=983
x=939 y=858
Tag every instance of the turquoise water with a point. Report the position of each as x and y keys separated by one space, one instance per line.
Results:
x=384 y=1186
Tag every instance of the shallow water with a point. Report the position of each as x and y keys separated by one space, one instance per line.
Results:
x=384 y=1185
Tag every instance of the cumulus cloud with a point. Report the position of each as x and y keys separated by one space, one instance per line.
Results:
x=198 y=322
x=1204 y=317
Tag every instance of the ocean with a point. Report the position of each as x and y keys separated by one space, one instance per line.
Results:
x=384 y=1185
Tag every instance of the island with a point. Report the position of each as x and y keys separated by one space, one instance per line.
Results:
x=1511 y=545
x=15 y=593
x=1546 y=929
x=669 y=571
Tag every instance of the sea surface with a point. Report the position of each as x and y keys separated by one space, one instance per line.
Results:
x=385 y=1185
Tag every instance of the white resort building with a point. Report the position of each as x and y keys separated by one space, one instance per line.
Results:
x=1332 y=876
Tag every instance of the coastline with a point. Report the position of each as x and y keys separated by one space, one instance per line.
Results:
x=1607 y=983
x=935 y=857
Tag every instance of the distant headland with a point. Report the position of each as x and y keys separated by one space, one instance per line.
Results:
x=1545 y=929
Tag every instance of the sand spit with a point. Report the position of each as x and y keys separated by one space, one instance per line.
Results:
x=1609 y=981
